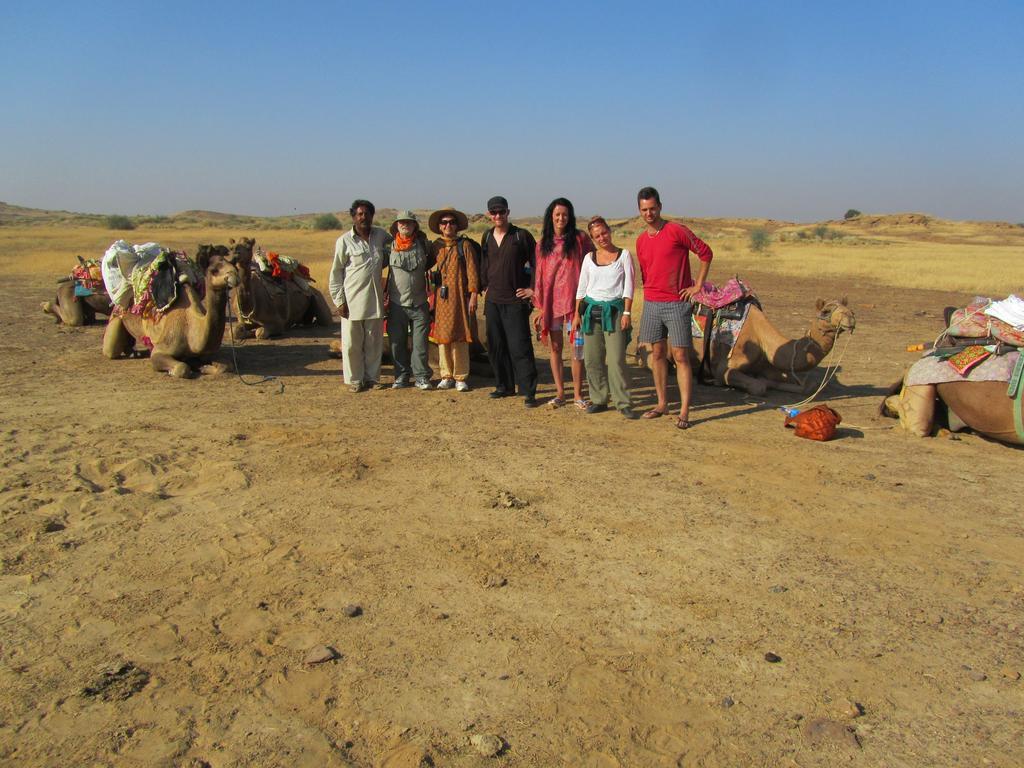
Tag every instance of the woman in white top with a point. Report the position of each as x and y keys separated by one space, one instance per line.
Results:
x=604 y=299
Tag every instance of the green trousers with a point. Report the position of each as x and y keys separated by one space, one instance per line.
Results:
x=604 y=354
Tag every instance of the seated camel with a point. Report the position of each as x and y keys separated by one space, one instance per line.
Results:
x=762 y=358
x=986 y=395
x=80 y=296
x=268 y=306
x=189 y=333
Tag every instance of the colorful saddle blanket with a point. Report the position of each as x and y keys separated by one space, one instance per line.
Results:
x=716 y=298
x=982 y=318
x=282 y=269
x=155 y=281
x=938 y=368
x=724 y=310
x=87 y=277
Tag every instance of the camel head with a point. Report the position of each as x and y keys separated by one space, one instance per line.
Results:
x=837 y=315
x=242 y=251
x=218 y=265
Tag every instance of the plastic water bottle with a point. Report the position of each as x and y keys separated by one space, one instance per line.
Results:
x=577 y=344
x=791 y=412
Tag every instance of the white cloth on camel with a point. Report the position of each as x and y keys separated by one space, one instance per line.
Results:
x=1010 y=310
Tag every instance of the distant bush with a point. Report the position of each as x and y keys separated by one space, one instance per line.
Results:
x=853 y=213
x=759 y=239
x=117 y=221
x=326 y=221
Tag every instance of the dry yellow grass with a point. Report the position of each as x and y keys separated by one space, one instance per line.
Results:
x=905 y=250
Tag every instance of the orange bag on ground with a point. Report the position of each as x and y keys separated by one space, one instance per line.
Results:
x=817 y=423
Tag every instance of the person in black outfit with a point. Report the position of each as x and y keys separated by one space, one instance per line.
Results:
x=506 y=277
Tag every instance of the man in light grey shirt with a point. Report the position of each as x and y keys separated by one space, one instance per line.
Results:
x=407 y=301
x=355 y=286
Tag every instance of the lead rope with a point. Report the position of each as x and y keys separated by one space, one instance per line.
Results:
x=234 y=359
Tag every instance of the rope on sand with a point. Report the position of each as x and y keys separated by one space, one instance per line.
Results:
x=234 y=359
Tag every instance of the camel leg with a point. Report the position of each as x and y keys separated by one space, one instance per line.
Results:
x=240 y=332
x=161 y=362
x=776 y=379
x=322 y=312
x=214 y=368
x=69 y=309
x=50 y=308
x=117 y=342
x=750 y=384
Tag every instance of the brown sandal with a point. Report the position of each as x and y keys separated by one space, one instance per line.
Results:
x=653 y=414
x=682 y=423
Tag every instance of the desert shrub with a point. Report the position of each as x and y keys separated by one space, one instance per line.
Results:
x=759 y=239
x=820 y=231
x=326 y=221
x=117 y=221
x=853 y=213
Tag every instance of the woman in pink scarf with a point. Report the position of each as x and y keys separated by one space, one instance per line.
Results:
x=559 y=260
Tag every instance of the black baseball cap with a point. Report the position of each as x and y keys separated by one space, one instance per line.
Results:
x=497 y=203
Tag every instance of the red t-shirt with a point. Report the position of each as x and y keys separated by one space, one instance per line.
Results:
x=665 y=260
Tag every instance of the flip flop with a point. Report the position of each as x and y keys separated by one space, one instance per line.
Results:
x=682 y=423
x=556 y=402
x=582 y=404
x=653 y=414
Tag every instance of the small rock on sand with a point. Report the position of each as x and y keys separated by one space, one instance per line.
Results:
x=352 y=610
x=977 y=676
x=727 y=702
x=772 y=658
x=509 y=501
x=487 y=744
x=118 y=682
x=320 y=654
x=822 y=731
x=849 y=708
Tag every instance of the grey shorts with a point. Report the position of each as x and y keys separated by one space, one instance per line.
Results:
x=667 y=318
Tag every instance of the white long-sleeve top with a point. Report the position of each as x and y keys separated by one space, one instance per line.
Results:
x=606 y=283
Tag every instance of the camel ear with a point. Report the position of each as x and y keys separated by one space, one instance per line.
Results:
x=843 y=302
x=820 y=305
x=203 y=256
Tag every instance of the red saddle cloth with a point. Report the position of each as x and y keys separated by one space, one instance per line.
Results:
x=716 y=298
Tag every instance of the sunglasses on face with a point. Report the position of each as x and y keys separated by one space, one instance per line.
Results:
x=447 y=222
x=498 y=213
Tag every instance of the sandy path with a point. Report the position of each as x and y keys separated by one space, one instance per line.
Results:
x=212 y=534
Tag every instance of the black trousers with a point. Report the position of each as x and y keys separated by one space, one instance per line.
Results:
x=510 y=346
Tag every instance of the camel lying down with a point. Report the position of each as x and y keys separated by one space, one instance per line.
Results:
x=982 y=406
x=190 y=333
x=763 y=358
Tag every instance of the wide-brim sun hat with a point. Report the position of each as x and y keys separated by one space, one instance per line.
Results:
x=403 y=216
x=461 y=220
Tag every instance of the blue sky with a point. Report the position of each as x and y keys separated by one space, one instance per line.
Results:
x=789 y=110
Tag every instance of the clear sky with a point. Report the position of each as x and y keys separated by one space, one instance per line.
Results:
x=789 y=110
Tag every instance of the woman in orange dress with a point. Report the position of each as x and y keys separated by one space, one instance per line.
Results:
x=456 y=283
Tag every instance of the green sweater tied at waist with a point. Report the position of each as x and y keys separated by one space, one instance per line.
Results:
x=610 y=312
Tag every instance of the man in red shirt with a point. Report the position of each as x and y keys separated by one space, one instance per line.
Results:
x=663 y=250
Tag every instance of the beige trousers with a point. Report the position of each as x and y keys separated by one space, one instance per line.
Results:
x=454 y=360
x=362 y=344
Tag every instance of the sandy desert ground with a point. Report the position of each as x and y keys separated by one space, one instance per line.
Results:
x=590 y=591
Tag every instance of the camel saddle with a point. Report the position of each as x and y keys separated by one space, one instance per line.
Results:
x=276 y=270
x=973 y=322
x=715 y=308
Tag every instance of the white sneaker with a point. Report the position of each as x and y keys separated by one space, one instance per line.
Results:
x=461 y=386
x=446 y=384
x=424 y=384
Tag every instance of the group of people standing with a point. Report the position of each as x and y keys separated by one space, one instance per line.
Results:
x=580 y=283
